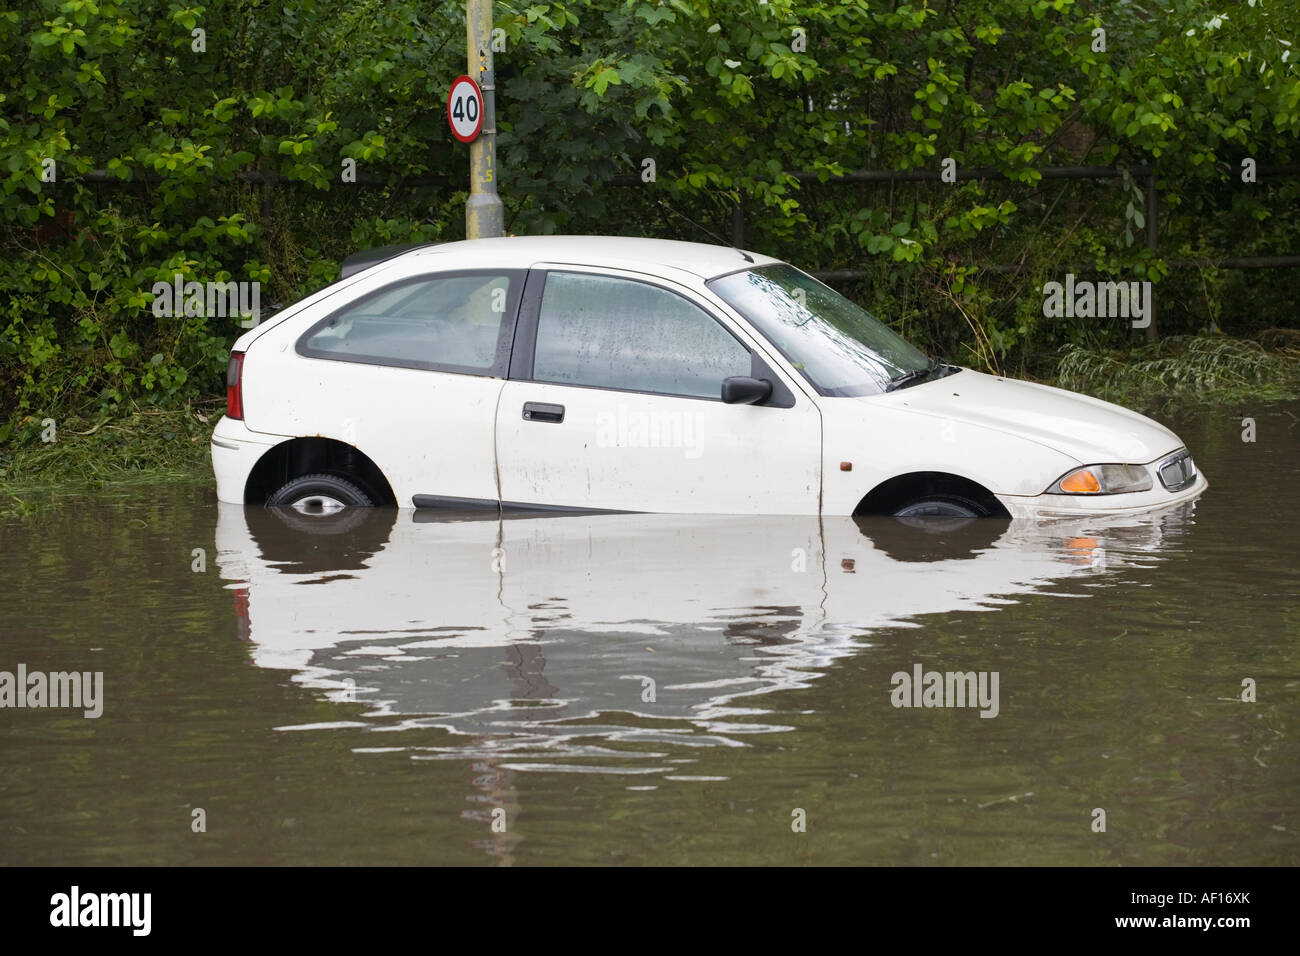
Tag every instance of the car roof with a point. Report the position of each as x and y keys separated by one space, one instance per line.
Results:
x=696 y=258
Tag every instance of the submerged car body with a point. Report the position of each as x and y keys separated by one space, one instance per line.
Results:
x=636 y=375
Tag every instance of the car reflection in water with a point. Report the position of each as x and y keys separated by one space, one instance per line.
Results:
x=607 y=642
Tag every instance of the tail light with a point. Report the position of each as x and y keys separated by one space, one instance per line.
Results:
x=235 y=386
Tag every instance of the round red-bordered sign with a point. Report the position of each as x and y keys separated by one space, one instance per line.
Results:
x=465 y=109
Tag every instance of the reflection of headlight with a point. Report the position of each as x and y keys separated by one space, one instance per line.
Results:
x=1103 y=480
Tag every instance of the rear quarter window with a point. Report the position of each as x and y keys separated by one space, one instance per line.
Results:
x=456 y=322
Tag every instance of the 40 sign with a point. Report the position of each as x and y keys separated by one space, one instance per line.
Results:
x=465 y=109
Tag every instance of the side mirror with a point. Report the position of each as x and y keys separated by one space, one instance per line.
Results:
x=741 y=390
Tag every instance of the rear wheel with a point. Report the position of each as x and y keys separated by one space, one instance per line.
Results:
x=320 y=496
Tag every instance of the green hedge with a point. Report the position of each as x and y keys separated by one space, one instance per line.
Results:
x=728 y=99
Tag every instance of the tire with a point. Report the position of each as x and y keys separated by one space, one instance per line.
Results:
x=942 y=506
x=320 y=497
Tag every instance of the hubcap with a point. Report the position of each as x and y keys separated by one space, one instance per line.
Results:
x=317 y=505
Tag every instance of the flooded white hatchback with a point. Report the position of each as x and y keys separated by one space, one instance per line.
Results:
x=638 y=375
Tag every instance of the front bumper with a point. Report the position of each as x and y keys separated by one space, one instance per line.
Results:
x=235 y=450
x=1076 y=506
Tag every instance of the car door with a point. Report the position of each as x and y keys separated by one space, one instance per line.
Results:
x=409 y=371
x=613 y=403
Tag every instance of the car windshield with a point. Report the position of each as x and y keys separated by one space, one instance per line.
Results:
x=839 y=347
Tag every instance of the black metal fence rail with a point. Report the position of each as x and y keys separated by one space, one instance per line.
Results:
x=1143 y=172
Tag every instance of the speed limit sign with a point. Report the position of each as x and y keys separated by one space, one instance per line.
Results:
x=465 y=109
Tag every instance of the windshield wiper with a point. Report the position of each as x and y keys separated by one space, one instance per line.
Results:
x=916 y=375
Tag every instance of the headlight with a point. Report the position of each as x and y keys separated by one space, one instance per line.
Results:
x=1103 y=480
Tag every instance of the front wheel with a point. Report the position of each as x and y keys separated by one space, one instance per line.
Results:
x=320 y=496
x=942 y=506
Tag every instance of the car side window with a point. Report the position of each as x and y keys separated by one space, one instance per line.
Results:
x=609 y=332
x=457 y=322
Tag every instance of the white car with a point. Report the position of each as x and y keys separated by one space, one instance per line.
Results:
x=614 y=374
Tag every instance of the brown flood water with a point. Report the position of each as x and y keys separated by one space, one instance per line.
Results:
x=661 y=689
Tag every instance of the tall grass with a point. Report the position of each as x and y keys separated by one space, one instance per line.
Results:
x=145 y=445
x=1182 y=369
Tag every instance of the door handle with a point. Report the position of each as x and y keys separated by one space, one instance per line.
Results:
x=542 y=412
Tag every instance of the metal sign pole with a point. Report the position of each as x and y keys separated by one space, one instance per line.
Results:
x=484 y=216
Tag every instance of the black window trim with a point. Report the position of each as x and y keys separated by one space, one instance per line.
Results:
x=525 y=342
x=505 y=336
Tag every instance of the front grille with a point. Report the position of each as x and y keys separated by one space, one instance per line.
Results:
x=1178 y=471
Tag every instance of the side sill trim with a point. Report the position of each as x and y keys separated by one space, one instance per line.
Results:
x=451 y=503
x=455 y=504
